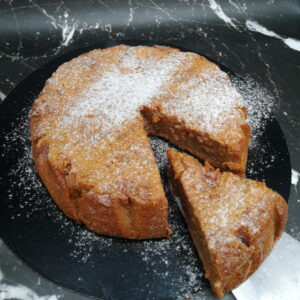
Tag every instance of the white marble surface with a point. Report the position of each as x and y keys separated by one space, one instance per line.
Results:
x=278 y=277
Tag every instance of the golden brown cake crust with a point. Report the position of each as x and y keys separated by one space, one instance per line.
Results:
x=90 y=142
x=233 y=221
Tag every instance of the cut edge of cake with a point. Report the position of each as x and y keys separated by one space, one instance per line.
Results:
x=228 y=157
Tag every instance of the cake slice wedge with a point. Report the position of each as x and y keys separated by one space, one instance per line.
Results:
x=234 y=221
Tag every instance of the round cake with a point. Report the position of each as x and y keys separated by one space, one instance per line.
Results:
x=90 y=126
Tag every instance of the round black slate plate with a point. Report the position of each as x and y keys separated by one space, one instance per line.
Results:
x=110 y=268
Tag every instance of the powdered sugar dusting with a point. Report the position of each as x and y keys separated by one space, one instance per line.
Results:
x=261 y=107
x=260 y=104
x=210 y=102
x=116 y=95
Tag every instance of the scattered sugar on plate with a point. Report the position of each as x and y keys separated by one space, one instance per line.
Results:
x=260 y=104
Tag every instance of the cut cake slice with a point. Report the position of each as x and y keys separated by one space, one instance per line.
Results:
x=233 y=221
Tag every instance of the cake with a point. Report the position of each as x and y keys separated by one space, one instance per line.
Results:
x=90 y=125
x=234 y=221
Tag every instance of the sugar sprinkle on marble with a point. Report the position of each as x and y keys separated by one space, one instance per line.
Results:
x=115 y=95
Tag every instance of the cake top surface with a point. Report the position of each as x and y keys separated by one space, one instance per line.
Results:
x=106 y=88
x=92 y=100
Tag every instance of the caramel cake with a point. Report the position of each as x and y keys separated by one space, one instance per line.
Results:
x=233 y=221
x=89 y=130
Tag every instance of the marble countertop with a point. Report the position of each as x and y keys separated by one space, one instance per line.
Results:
x=255 y=39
